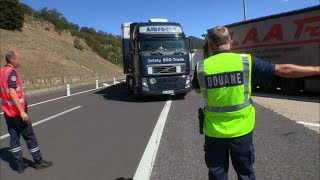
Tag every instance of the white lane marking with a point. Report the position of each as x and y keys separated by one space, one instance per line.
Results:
x=62 y=97
x=46 y=119
x=105 y=84
x=309 y=124
x=144 y=169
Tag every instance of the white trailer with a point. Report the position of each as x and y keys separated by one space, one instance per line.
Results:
x=195 y=57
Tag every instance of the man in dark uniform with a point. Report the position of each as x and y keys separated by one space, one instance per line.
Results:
x=14 y=106
x=229 y=116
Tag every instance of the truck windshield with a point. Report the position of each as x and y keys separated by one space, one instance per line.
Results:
x=160 y=44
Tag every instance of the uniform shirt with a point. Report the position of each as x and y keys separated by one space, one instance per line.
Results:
x=261 y=71
x=12 y=80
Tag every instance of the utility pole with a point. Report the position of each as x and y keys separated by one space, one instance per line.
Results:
x=244 y=10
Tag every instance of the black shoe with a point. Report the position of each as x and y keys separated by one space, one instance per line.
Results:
x=20 y=167
x=42 y=164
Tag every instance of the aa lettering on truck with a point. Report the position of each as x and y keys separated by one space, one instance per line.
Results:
x=306 y=30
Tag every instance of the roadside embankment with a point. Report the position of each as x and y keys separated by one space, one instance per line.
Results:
x=50 y=58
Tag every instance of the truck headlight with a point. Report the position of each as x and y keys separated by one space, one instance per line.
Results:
x=188 y=81
x=144 y=83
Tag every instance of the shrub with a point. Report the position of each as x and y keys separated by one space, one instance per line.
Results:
x=77 y=44
x=11 y=15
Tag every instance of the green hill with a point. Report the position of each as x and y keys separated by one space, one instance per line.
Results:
x=56 y=51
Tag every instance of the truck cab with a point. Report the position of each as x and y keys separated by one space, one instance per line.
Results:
x=156 y=58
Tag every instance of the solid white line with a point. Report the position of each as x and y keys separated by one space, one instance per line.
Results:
x=144 y=169
x=309 y=124
x=105 y=84
x=46 y=119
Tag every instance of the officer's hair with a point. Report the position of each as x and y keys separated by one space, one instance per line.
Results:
x=10 y=55
x=219 y=36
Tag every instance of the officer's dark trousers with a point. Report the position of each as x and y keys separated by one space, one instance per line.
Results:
x=241 y=150
x=17 y=128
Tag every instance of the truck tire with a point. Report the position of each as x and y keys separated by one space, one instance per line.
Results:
x=136 y=94
x=129 y=81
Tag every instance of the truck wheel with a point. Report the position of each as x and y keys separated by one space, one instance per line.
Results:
x=130 y=84
x=136 y=94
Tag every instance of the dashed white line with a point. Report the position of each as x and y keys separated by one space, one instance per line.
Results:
x=46 y=119
x=309 y=124
x=144 y=169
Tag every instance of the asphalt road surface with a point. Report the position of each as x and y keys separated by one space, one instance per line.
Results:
x=105 y=134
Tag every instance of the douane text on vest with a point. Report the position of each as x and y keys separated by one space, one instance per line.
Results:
x=224 y=80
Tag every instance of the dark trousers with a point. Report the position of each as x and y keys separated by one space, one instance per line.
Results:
x=241 y=150
x=17 y=128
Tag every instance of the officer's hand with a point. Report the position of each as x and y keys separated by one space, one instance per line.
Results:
x=24 y=116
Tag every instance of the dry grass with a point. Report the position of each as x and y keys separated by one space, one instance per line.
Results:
x=46 y=53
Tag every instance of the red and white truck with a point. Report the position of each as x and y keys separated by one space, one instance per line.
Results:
x=292 y=37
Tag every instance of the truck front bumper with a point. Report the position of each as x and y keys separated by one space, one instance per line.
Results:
x=167 y=92
x=167 y=85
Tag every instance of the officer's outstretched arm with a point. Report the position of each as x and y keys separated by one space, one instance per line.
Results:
x=296 y=71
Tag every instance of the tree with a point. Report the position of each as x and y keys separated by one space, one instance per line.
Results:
x=88 y=30
x=11 y=15
x=27 y=10
x=74 y=27
x=55 y=17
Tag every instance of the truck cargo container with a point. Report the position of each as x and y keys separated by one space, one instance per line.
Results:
x=287 y=38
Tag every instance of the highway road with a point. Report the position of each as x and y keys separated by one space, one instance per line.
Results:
x=105 y=134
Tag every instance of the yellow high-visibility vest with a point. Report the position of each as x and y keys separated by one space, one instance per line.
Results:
x=225 y=83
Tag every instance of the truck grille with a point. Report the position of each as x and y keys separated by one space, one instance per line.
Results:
x=168 y=83
x=166 y=69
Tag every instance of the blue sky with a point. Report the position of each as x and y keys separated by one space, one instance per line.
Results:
x=195 y=16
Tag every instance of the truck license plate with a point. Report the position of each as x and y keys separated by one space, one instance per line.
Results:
x=168 y=92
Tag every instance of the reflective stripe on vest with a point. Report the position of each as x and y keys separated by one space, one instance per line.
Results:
x=8 y=90
x=22 y=100
x=247 y=102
